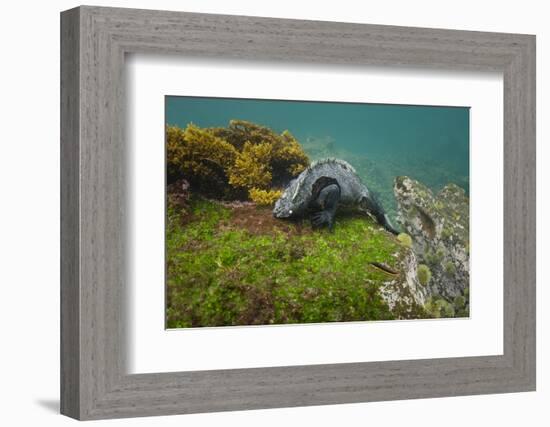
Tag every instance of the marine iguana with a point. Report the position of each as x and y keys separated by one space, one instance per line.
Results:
x=321 y=188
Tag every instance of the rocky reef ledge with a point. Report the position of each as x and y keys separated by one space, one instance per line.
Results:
x=438 y=226
x=234 y=264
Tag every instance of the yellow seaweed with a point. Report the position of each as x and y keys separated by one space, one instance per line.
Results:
x=197 y=155
x=264 y=197
x=230 y=162
x=252 y=167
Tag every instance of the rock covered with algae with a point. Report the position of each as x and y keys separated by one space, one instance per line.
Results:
x=439 y=227
x=405 y=296
x=234 y=264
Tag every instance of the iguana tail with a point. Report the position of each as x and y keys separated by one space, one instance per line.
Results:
x=371 y=204
x=388 y=225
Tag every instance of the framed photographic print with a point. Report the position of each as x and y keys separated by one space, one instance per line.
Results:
x=262 y=213
x=248 y=204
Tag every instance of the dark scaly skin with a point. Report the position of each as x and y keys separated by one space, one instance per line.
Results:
x=326 y=204
x=372 y=206
x=320 y=189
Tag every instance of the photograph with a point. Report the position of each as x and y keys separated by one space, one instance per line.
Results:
x=298 y=212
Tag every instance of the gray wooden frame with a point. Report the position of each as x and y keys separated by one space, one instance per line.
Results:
x=94 y=382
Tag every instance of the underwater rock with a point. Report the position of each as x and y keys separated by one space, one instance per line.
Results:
x=404 y=294
x=439 y=228
x=234 y=264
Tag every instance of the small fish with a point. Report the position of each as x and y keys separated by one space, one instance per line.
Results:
x=386 y=269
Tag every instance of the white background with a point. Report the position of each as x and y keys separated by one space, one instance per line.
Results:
x=29 y=177
x=152 y=349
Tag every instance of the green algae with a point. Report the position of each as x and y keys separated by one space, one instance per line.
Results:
x=405 y=240
x=423 y=274
x=219 y=273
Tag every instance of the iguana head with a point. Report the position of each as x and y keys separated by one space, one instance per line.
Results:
x=291 y=204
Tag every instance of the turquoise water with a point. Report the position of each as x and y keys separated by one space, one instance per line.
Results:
x=427 y=143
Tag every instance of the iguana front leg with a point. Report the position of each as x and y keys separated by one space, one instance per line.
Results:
x=328 y=203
